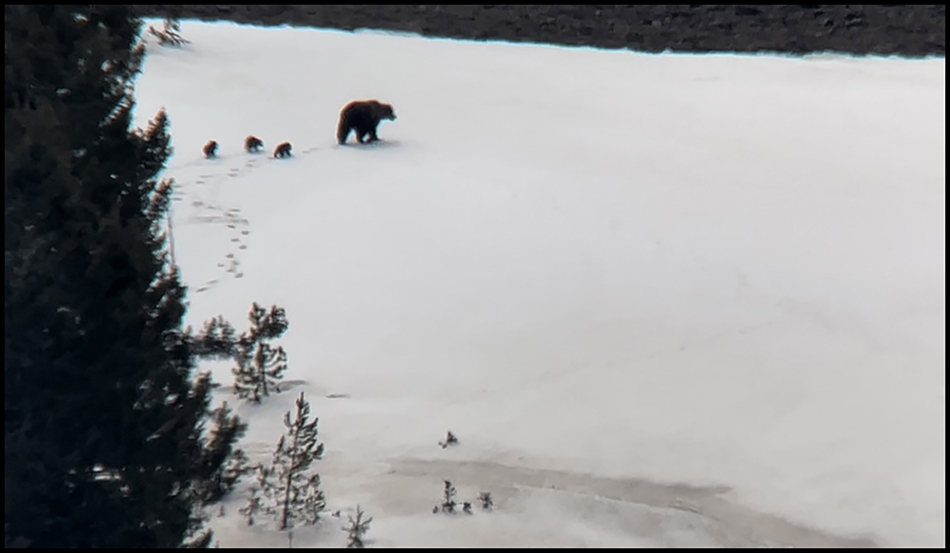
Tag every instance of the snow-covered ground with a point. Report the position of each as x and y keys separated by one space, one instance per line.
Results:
x=660 y=299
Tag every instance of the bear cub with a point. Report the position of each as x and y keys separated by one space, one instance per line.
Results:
x=282 y=150
x=253 y=144
x=211 y=149
x=362 y=117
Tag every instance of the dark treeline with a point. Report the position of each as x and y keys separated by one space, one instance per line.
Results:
x=906 y=30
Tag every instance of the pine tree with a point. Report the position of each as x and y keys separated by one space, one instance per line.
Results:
x=288 y=488
x=450 y=439
x=485 y=499
x=103 y=414
x=259 y=365
x=357 y=529
x=215 y=341
x=170 y=35
x=255 y=501
x=221 y=464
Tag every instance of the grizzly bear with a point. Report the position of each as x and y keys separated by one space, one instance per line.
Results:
x=282 y=150
x=253 y=144
x=363 y=116
x=211 y=149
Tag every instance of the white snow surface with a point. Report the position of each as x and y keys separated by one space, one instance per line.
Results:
x=662 y=300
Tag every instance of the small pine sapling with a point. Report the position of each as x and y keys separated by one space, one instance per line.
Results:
x=216 y=340
x=467 y=507
x=302 y=499
x=450 y=439
x=485 y=499
x=288 y=488
x=170 y=35
x=259 y=365
x=448 y=498
x=357 y=529
x=255 y=504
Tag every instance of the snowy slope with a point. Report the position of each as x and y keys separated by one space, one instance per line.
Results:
x=661 y=299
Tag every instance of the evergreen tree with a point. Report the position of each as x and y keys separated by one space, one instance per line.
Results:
x=170 y=35
x=216 y=340
x=259 y=365
x=103 y=416
x=357 y=529
x=221 y=464
x=256 y=501
x=486 y=500
x=448 y=499
x=288 y=488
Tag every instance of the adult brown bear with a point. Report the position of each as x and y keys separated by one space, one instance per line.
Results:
x=363 y=116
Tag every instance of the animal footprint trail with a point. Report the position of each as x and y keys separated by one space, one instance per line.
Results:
x=208 y=209
x=237 y=224
x=231 y=263
x=206 y=286
x=201 y=188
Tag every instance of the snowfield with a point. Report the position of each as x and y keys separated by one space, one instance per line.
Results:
x=662 y=300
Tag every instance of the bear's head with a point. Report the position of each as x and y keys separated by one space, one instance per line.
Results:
x=385 y=111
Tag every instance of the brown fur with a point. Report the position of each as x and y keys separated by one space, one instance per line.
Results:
x=210 y=149
x=253 y=144
x=282 y=150
x=362 y=117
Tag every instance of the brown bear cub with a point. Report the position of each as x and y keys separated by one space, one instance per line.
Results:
x=282 y=150
x=253 y=144
x=363 y=116
x=211 y=149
